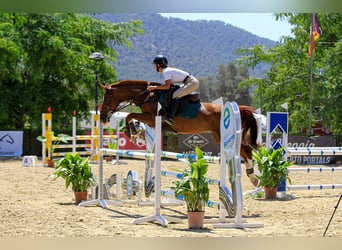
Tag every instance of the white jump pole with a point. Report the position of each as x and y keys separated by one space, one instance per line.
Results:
x=117 y=158
x=156 y=148
x=74 y=132
x=100 y=201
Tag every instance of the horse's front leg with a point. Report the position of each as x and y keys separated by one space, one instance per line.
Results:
x=145 y=118
x=127 y=130
x=130 y=129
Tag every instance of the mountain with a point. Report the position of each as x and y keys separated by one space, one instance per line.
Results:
x=198 y=47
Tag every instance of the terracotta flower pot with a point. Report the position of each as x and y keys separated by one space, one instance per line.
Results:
x=270 y=193
x=109 y=159
x=195 y=220
x=51 y=163
x=80 y=196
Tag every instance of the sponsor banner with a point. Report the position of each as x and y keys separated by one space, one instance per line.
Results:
x=311 y=142
x=124 y=142
x=187 y=144
x=206 y=142
x=11 y=143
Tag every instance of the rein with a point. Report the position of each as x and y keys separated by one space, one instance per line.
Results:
x=130 y=102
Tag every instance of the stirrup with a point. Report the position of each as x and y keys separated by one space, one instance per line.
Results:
x=169 y=120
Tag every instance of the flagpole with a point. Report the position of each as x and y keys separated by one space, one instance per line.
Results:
x=311 y=74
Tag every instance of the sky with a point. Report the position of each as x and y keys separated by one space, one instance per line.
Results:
x=260 y=24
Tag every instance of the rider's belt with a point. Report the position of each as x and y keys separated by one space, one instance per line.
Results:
x=186 y=79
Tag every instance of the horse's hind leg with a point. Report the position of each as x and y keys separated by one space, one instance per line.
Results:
x=246 y=153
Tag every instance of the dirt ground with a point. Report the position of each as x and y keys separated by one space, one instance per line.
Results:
x=32 y=204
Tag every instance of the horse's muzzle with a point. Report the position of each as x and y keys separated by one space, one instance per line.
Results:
x=106 y=118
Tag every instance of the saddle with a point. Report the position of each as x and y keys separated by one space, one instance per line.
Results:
x=189 y=104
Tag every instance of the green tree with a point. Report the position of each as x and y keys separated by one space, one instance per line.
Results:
x=288 y=80
x=206 y=89
x=44 y=60
x=227 y=86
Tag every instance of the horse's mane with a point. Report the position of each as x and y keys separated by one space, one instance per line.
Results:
x=128 y=82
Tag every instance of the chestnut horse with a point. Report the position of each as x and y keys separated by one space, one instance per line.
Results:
x=128 y=92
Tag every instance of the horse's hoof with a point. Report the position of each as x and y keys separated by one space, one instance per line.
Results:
x=253 y=179
x=133 y=139
x=255 y=182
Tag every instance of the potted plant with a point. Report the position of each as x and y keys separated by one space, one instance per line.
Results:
x=76 y=172
x=193 y=188
x=273 y=169
x=51 y=142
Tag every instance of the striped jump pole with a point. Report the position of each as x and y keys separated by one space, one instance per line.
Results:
x=46 y=131
x=171 y=194
x=314 y=151
x=322 y=169
x=166 y=154
x=172 y=155
x=74 y=138
x=128 y=153
x=315 y=186
x=180 y=175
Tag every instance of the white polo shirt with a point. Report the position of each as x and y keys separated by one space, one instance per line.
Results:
x=176 y=75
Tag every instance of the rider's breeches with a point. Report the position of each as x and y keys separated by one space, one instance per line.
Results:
x=190 y=86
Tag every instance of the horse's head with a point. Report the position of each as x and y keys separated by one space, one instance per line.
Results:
x=117 y=94
x=109 y=104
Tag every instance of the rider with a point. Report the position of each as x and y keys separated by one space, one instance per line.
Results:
x=173 y=75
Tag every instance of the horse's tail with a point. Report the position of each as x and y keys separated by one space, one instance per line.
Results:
x=249 y=125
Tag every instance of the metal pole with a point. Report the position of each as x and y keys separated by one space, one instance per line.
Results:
x=332 y=215
x=311 y=74
x=96 y=92
x=96 y=56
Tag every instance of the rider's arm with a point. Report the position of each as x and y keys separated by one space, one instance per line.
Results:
x=166 y=86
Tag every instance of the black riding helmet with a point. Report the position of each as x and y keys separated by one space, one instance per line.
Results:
x=160 y=60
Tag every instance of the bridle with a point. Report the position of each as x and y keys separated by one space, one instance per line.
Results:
x=122 y=104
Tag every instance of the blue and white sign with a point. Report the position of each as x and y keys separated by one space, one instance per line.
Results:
x=11 y=143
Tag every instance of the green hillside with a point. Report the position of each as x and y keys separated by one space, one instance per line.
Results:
x=196 y=46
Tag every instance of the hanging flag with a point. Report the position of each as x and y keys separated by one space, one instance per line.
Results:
x=315 y=33
x=316 y=28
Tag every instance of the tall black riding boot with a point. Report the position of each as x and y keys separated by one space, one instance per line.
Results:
x=173 y=110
